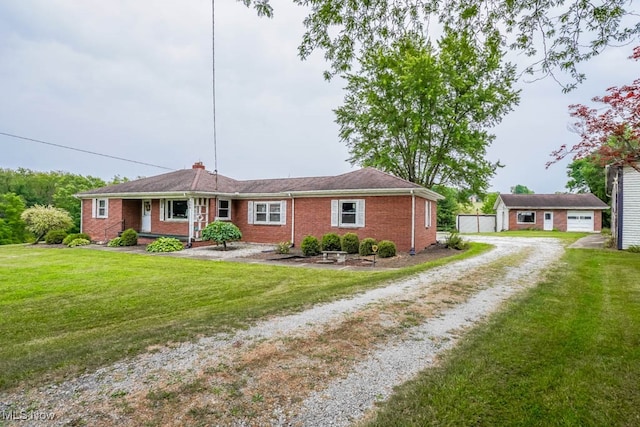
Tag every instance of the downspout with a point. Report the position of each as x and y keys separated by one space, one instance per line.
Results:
x=293 y=220
x=620 y=211
x=81 y=215
x=412 y=251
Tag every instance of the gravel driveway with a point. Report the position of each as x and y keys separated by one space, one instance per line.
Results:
x=325 y=366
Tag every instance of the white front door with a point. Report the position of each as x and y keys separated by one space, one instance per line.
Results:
x=146 y=216
x=548 y=221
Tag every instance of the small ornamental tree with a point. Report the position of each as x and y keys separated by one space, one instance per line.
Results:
x=221 y=232
x=609 y=134
x=42 y=219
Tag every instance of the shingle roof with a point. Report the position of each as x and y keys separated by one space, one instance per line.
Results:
x=200 y=180
x=553 y=201
x=184 y=180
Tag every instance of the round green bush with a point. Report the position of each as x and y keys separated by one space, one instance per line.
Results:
x=365 y=246
x=310 y=246
x=165 y=244
x=331 y=242
x=73 y=236
x=221 y=232
x=115 y=242
x=350 y=243
x=386 y=249
x=78 y=242
x=55 y=237
x=129 y=237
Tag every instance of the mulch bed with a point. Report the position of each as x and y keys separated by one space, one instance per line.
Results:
x=402 y=259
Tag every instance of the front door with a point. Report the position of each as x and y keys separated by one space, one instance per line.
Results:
x=548 y=221
x=146 y=216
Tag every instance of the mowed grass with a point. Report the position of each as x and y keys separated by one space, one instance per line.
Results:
x=64 y=311
x=566 y=353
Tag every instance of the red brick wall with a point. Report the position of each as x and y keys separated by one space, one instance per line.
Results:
x=260 y=233
x=386 y=218
x=132 y=214
x=102 y=229
x=559 y=220
x=179 y=228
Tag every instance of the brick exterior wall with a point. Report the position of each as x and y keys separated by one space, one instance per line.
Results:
x=102 y=229
x=559 y=220
x=386 y=218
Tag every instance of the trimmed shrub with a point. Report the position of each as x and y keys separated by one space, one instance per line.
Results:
x=310 y=246
x=116 y=242
x=73 y=236
x=221 y=232
x=78 y=242
x=55 y=237
x=282 y=248
x=634 y=248
x=350 y=243
x=165 y=244
x=365 y=246
x=386 y=249
x=331 y=242
x=129 y=237
x=454 y=241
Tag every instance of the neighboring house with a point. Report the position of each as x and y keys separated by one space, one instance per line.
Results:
x=563 y=212
x=623 y=183
x=367 y=202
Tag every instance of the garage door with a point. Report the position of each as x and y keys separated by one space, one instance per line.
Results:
x=580 y=221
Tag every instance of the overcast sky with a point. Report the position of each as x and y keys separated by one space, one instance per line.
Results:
x=133 y=79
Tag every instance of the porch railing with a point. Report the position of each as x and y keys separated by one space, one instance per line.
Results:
x=106 y=230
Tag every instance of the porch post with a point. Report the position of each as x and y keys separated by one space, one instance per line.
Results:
x=191 y=219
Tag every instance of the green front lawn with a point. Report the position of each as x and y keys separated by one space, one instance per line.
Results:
x=68 y=310
x=566 y=353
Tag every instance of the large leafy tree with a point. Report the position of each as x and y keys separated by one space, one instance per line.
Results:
x=50 y=188
x=422 y=112
x=12 y=227
x=42 y=219
x=609 y=134
x=521 y=189
x=556 y=34
x=588 y=176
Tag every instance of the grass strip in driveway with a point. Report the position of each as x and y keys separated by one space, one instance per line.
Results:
x=68 y=310
x=566 y=353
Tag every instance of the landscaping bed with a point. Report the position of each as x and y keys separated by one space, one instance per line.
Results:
x=402 y=259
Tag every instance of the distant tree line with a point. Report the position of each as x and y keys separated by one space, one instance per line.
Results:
x=23 y=188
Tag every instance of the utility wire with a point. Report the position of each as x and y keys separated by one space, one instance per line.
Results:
x=85 y=151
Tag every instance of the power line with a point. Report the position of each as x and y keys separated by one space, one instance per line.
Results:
x=84 y=151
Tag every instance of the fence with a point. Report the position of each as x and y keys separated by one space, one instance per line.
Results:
x=476 y=223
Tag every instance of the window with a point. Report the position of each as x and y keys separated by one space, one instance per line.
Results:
x=427 y=214
x=526 y=217
x=347 y=213
x=100 y=208
x=224 y=209
x=177 y=209
x=269 y=213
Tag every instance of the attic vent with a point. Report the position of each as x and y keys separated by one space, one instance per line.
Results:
x=198 y=165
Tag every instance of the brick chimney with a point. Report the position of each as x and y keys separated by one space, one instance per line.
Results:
x=198 y=165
